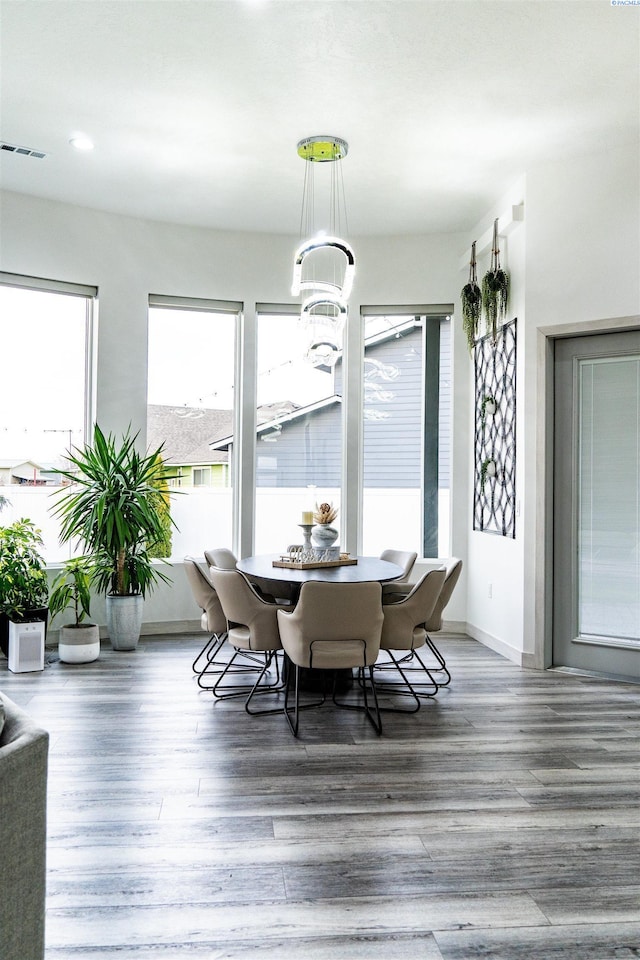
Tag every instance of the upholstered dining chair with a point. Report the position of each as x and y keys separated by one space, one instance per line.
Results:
x=403 y=631
x=453 y=569
x=405 y=559
x=335 y=626
x=212 y=620
x=224 y=559
x=253 y=629
x=221 y=557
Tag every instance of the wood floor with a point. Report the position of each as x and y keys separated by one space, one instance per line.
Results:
x=502 y=821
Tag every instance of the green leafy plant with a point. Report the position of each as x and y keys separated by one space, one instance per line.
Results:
x=495 y=289
x=486 y=470
x=23 y=580
x=471 y=297
x=114 y=509
x=71 y=588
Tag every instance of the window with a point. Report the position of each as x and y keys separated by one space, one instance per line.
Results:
x=45 y=399
x=299 y=430
x=190 y=403
x=202 y=476
x=406 y=370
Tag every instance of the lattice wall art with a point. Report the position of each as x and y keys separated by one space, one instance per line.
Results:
x=494 y=502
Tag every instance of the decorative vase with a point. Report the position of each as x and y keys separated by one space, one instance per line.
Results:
x=79 y=643
x=324 y=535
x=124 y=620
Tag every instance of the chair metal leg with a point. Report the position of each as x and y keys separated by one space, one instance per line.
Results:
x=408 y=689
x=373 y=715
x=258 y=690
x=208 y=652
x=295 y=722
x=443 y=664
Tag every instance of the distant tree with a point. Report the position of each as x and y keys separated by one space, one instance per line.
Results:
x=161 y=549
x=4 y=502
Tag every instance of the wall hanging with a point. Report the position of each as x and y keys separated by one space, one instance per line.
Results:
x=495 y=289
x=494 y=506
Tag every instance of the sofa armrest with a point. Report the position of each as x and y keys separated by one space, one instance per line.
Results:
x=24 y=748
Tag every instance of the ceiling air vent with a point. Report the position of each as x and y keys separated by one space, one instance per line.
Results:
x=23 y=151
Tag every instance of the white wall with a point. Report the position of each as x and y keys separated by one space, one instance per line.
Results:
x=574 y=263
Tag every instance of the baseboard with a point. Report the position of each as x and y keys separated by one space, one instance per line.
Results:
x=499 y=646
x=160 y=627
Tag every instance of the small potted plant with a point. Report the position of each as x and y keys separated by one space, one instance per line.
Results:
x=79 y=641
x=24 y=588
x=487 y=407
x=488 y=469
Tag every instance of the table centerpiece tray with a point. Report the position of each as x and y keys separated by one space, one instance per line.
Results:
x=313 y=564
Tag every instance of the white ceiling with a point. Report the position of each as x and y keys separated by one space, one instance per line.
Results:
x=196 y=106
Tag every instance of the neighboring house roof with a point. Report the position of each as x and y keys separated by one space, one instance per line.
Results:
x=12 y=464
x=275 y=422
x=187 y=432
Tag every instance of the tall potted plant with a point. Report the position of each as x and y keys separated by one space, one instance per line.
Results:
x=23 y=580
x=114 y=508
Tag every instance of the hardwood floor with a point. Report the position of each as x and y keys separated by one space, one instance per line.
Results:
x=502 y=821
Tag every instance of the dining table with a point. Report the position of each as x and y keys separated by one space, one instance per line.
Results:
x=364 y=570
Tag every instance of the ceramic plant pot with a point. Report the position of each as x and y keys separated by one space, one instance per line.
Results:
x=79 y=643
x=124 y=620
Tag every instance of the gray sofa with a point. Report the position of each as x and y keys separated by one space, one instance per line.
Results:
x=24 y=749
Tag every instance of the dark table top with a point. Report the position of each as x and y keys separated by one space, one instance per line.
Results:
x=365 y=570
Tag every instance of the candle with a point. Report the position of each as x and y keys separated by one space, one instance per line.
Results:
x=307 y=516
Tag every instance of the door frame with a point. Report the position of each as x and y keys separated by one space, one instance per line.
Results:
x=543 y=552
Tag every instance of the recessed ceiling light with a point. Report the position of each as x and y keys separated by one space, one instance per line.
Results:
x=81 y=142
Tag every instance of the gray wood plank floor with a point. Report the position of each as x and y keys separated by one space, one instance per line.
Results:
x=501 y=821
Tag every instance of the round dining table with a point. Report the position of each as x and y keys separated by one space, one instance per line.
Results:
x=365 y=570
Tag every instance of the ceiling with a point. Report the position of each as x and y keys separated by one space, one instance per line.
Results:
x=196 y=106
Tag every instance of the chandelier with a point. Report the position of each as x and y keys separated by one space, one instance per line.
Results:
x=324 y=263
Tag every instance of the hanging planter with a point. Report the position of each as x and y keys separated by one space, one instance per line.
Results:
x=488 y=469
x=495 y=289
x=471 y=297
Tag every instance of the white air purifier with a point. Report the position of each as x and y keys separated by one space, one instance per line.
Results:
x=26 y=646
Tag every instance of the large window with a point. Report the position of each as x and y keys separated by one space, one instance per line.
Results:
x=45 y=395
x=299 y=432
x=190 y=404
x=406 y=370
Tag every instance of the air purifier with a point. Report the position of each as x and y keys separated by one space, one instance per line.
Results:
x=26 y=646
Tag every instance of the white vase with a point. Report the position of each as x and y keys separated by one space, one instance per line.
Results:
x=324 y=535
x=79 y=644
x=124 y=621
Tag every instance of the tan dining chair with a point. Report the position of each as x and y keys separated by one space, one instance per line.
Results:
x=273 y=591
x=453 y=569
x=404 y=633
x=335 y=626
x=405 y=559
x=212 y=620
x=252 y=630
x=221 y=557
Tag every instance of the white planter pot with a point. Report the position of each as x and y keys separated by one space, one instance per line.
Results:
x=124 y=621
x=79 y=644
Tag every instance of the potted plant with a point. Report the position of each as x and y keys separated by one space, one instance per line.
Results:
x=79 y=641
x=488 y=469
x=487 y=407
x=114 y=508
x=323 y=534
x=23 y=581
